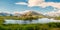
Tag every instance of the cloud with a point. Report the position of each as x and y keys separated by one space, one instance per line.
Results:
x=21 y=3
x=42 y=3
x=53 y=13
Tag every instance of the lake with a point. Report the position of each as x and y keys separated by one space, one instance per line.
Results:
x=43 y=20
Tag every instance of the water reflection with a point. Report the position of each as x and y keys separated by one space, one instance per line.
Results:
x=43 y=20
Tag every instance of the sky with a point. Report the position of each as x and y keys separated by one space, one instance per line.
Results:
x=43 y=6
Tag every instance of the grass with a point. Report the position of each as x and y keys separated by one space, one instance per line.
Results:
x=47 y=26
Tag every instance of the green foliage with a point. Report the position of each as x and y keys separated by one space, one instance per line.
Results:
x=47 y=26
x=57 y=18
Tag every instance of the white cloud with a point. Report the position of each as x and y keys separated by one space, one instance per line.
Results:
x=53 y=13
x=21 y=3
x=42 y=3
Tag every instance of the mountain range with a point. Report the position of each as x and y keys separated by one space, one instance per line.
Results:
x=20 y=13
x=29 y=12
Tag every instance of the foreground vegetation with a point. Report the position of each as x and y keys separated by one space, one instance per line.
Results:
x=47 y=26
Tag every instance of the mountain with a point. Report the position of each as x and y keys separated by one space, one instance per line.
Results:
x=5 y=14
x=16 y=14
x=30 y=12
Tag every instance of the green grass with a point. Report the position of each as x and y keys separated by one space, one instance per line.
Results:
x=47 y=26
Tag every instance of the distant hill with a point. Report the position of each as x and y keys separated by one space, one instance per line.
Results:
x=5 y=14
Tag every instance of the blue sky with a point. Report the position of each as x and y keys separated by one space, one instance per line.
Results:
x=9 y=5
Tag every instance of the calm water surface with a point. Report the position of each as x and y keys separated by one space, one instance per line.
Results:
x=43 y=20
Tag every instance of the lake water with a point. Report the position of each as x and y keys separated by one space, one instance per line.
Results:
x=43 y=20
